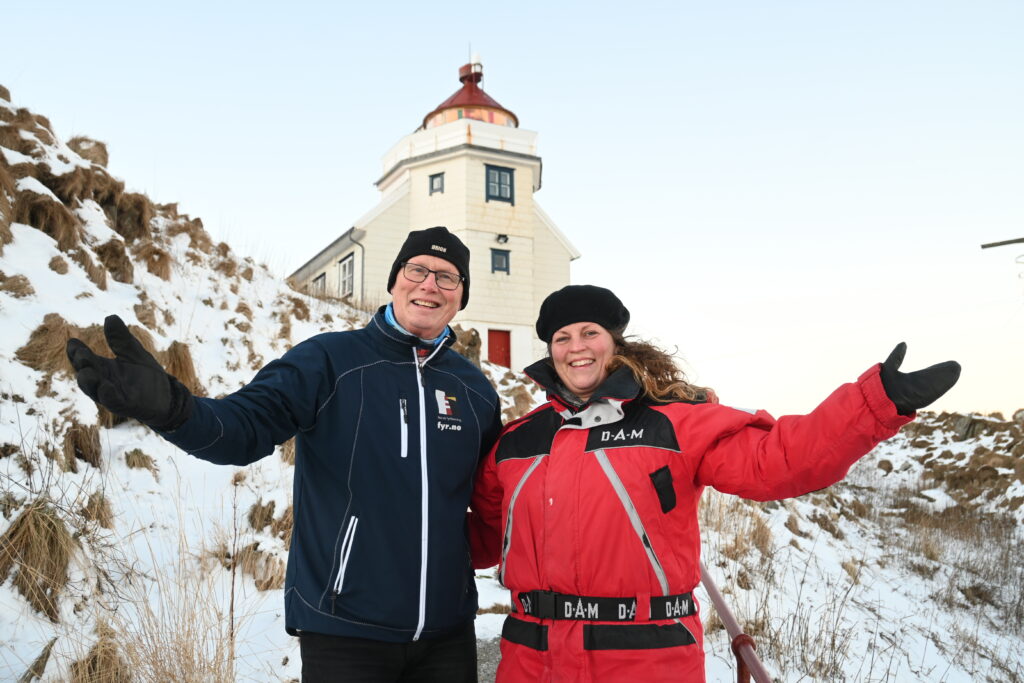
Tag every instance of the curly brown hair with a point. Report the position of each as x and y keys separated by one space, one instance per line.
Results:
x=656 y=370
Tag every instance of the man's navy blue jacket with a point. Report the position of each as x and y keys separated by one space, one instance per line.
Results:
x=387 y=442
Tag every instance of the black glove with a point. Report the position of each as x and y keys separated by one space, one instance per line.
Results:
x=132 y=384
x=911 y=391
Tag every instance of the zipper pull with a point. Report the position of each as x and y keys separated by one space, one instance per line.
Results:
x=405 y=410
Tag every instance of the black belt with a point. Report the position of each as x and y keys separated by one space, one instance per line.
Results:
x=551 y=605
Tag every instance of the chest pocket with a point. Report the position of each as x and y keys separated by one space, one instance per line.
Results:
x=662 y=480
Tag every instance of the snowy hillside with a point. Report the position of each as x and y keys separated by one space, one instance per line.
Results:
x=121 y=557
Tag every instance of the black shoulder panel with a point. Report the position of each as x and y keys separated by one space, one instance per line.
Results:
x=532 y=437
x=641 y=426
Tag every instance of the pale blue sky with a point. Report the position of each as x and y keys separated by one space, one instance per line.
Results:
x=782 y=190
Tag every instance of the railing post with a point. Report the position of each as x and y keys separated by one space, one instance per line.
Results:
x=747 y=662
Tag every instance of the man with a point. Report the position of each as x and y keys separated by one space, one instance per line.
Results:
x=389 y=426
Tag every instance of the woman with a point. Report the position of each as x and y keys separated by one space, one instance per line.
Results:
x=590 y=501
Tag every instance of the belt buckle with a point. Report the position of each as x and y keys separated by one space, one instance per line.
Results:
x=546 y=604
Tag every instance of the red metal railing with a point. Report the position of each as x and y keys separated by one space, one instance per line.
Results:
x=747 y=662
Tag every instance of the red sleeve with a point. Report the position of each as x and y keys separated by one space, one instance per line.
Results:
x=485 y=514
x=757 y=457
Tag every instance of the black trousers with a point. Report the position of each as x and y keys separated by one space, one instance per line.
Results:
x=449 y=658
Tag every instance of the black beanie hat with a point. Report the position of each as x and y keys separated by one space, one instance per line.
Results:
x=577 y=304
x=436 y=241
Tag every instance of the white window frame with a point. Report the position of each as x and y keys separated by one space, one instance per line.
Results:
x=347 y=275
x=319 y=285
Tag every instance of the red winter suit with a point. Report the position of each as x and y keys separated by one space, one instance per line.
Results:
x=592 y=514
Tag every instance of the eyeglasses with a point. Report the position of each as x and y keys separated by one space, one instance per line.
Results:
x=443 y=278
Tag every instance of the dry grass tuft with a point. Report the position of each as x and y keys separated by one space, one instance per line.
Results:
x=740 y=527
x=8 y=504
x=852 y=569
x=247 y=273
x=45 y=349
x=132 y=214
x=826 y=523
x=157 y=260
x=96 y=274
x=226 y=266
x=24 y=120
x=713 y=622
x=285 y=332
x=496 y=608
x=177 y=361
x=98 y=510
x=58 y=265
x=17 y=286
x=254 y=359
x=107 y=419
x=282 y=527
x=48 y=215
x=38 y=666
x=81 y=184
x=38 y=547
x=11 y=138
x=468 y=344
x=261 y=515
x=5 y=94
x=114 y=257
x=7 y=192
x=136 y=459
x=300 y=311
x=6 y=236
x=288 y=451
x=244 y=309
x=168 y=211
x=104 y=663
x=179 y=632
x=81 y=442
x=522 y=403
x=90 y=150
x=793 y=524
x=146 y=313
x=43 y=129
x=105 y=190
x=267 y=570
x=198 y=238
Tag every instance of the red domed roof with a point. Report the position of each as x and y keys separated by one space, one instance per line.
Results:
x=470 y=102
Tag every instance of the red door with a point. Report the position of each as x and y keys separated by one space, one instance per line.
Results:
x=499 y=347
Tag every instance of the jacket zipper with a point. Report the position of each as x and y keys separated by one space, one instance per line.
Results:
x=636 y=522
x=506 y=543
x=343 y=556
x=403 y=409
x=424 y=489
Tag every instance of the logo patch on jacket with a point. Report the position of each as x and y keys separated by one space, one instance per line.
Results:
x=445 y=404
x=447 y=420
x=640 y=426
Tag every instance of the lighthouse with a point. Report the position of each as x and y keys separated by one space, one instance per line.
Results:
x=471 y=168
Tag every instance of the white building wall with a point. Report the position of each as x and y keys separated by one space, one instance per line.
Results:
x=385 y=233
